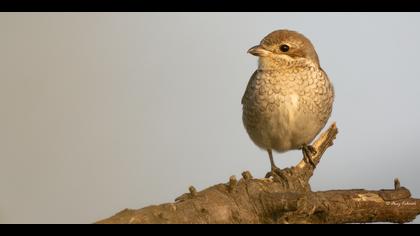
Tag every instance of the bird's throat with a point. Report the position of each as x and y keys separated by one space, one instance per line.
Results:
x=282 y=62
x=274 y=63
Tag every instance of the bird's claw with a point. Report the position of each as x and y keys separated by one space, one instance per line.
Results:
x=278 y=174
x=308 y=151
x=275 y=171
x=311 y=149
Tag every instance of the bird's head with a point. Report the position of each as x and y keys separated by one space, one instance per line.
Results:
x=283 y=48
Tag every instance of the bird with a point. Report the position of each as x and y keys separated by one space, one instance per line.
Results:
x=289 y=98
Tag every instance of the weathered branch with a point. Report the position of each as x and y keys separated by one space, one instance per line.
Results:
x=285 y=197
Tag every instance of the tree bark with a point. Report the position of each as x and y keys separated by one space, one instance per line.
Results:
x=283 y=197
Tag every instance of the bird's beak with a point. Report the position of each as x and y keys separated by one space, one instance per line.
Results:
x=258 y=51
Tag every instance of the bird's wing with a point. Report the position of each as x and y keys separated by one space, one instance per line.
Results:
x=330 y=84
x=247 y=91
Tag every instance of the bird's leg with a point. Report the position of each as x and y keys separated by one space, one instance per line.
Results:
x=276 y=172
x=274 y=168
x=308 y=151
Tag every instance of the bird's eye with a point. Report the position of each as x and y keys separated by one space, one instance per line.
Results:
x=284 y=48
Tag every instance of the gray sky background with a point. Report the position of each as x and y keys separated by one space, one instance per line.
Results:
x=106 y=111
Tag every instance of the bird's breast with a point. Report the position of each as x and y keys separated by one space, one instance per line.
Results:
x=288 y=105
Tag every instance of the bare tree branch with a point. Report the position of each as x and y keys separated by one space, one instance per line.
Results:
x=285 y=197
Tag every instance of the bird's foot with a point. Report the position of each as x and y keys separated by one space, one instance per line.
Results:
x=279 y=175
x=275 y=171
x=308 y=151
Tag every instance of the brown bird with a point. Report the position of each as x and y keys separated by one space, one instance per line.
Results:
x=289 y=97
